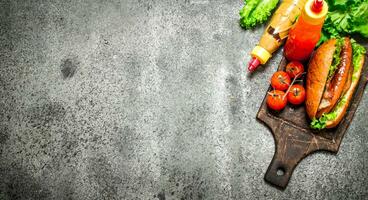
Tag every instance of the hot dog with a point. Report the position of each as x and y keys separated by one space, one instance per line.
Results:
x=337 y=78
x=333 y=74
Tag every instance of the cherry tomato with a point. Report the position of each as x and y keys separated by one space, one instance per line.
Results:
x=276 y=100
x=280 y=80
x=294 y=69
x=296 y=94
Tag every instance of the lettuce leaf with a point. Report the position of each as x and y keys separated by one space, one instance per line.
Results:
x=256 y=12
x=346 y=17
x=358 y=53
x=320 y=123
x=336 y=57
x=248 y=7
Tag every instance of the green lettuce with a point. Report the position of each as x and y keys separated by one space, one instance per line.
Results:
x=358 y=53
x=336 y=57
x=320 y=123
x=256 y=12
x=345 y=17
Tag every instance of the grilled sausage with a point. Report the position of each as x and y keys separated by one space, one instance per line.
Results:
x=336 y=86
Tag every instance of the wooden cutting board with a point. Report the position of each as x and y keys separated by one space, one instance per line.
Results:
x=295 y=140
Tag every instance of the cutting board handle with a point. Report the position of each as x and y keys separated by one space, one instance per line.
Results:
x=292 y=145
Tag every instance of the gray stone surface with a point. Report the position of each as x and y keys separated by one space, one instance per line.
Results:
x=146 y=99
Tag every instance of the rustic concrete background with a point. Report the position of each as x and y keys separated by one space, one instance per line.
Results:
x=146 y=99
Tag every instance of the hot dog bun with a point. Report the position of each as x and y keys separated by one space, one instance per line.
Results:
x=318 y=69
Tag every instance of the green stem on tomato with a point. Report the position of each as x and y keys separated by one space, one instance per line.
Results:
x=288 y=90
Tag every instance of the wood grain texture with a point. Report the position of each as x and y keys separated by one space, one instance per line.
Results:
x=294 y=140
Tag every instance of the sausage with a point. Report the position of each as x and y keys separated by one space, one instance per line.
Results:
x=349 y=81
x=336 y=86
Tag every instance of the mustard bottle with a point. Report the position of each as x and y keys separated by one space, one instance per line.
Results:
x=276 y=32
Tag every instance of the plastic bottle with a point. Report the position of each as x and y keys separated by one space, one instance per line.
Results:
x=306 y=32
x=276 y=32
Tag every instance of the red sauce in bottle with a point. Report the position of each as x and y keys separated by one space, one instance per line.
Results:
x=305 y=34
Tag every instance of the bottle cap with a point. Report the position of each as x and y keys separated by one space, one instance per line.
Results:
x=261 y=54
x=315 y=11
x=253 y=64
x=317 y=6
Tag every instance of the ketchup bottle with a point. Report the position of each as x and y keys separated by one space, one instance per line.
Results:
x=306 y=32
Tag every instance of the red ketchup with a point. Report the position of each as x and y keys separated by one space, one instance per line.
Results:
x=306 y=32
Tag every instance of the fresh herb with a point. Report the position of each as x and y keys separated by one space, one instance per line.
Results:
x=256 y=12
x=336 y=57
x=345 y=17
